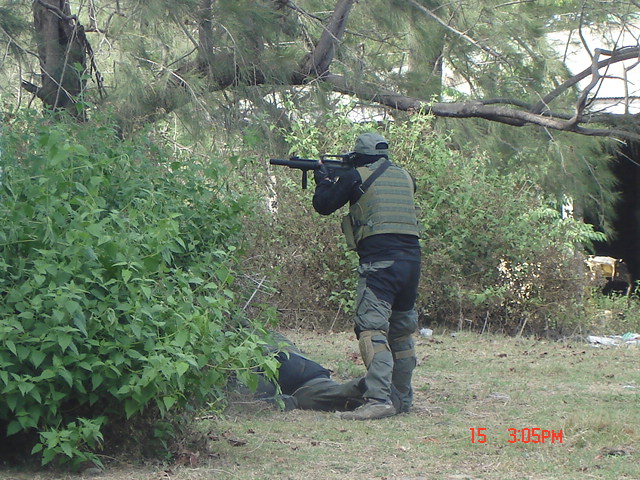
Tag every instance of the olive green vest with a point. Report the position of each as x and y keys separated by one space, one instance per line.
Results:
x=387 y=206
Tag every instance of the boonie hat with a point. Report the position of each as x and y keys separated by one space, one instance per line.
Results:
x=371 y=144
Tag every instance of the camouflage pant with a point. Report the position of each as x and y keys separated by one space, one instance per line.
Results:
x=327 y=395
x=384 y=322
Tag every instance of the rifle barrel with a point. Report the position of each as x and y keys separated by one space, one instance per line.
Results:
x=299 y=163
x=308 y=163
x=279 y=161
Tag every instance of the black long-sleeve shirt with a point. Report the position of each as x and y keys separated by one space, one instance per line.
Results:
x=332 y=194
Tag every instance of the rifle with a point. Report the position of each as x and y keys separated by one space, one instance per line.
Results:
x=306 y=164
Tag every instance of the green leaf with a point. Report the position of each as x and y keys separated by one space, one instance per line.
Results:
x=124 y=390
x=23 y=352
x=136 y=329
x=67 y=449
x=46 y=374
x=94 y=229
x=57 y=396
x=80 y=322
x=146 y=291
x=71 y=306
x=182 y=337
x=66 y=375
x=169 y=402
x=48 y=455
x=223 y=274
x=131 y=407
x=64 y=341
x=12 y=402
x=25 y=387
x=81 y=188
x=11 y=346
x=35 y=394
x=28 y=315
x=96 y=380
x=181 y=368
x=13 y=427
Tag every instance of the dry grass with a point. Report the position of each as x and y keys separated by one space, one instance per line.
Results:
x=465 y=382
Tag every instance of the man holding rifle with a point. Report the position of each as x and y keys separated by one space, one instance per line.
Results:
x=382 y=227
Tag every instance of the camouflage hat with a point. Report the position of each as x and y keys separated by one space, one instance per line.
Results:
x=371 y=144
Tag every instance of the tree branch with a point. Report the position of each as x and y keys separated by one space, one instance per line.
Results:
x=57 y=11
x=316 y=67
x=477 y=109
x=620 y=55
x=318 y=61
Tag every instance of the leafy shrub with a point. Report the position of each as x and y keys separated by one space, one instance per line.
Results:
x=116 y=276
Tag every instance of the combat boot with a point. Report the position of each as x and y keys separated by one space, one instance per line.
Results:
x=372 y=410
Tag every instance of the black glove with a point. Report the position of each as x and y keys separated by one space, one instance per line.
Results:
x=321 y=174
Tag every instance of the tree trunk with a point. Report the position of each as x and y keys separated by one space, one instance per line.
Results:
x=62 y=51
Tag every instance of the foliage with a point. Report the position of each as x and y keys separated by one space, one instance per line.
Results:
x=116 y=273
x=565 y=168
x=495 y=248
x=488 y=49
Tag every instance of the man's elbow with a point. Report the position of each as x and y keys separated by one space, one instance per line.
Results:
x=321 y=206
x=322 y=210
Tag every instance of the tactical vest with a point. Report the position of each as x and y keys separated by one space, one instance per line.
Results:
x=386 y=207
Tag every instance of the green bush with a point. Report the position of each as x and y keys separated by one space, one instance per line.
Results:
x=116 y=277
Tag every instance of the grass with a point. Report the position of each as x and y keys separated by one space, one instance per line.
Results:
x=463 y=383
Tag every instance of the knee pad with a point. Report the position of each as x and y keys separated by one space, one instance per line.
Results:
x=370 y=343
x=401 y=354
